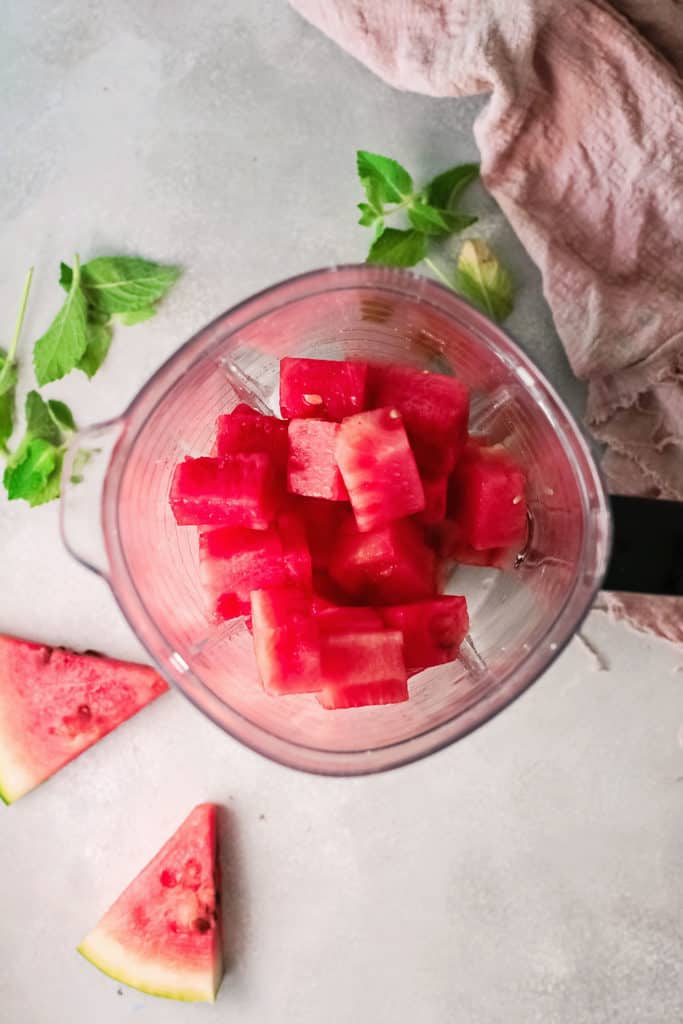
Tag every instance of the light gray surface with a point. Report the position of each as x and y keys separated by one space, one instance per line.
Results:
x=532 y=873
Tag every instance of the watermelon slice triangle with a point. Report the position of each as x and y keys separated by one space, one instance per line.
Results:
x=163 y=934
x=55 y=703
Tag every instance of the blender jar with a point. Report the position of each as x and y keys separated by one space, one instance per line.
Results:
x=117 y=518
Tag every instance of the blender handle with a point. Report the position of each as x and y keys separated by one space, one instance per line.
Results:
x=647 y=546
x=80 y=508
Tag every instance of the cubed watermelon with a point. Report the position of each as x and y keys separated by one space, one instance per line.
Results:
x=347 y=619
x=363 y=668
x=446 y=539
x=435 y=490
x=312 y=465
x=321 y=520
x=486 y=499
x=432 y=630
x=435 y=410
x=321 y=388
x=378 y=467
x=286 y=641
x=245 y=430
x=234 y=561
x=295 y=553
x=386 y=566
x=238 y=490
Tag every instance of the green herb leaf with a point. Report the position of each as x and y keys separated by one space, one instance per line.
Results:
x=398 y=248
x=438 y=222
x=9 y=371
x=62 y=415
x=65 y=340
x=66 y=276
x=39 y=421
x=123 y=284
x=99 y=340
x=52 y=486
x=445 y=190
x=29 y=469
x=81 y=460
x=384 y=180
x=8 y=383
x=137 y=316
x=483 y=280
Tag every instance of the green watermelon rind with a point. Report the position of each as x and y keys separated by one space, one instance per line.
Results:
x=131 y=975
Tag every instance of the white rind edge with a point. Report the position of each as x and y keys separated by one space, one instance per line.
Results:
x=109 y=956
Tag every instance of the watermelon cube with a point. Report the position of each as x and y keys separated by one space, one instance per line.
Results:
x=238 y=490
x=347 y=619
x=362 y=668
x=245 y=430
x=435 y=490
x=234 y=561
x=386 y=566
x=295 y=554
x=486 y=499
x=312 y=466
x=286 y=641
x=432 y=630
x=321 y=520
x=434 y=407
x=321 y=388
x=446 y=538
x=378 y=467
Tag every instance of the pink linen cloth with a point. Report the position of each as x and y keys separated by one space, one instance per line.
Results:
x=582 y=146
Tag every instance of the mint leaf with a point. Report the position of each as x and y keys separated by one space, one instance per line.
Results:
x=66 y=275
x=445 y=190
x=99 y=340
x=33 y=471
x=398 y=248
x=29 y=470
x=123 y=284
x=52 y=486
x=137 y=316
x=64 y=342
x=434 y=221
x=39 y=421
x=9 y=371
x=62 y=415
x=8 y=383
x=384 y=179
x=482 y=279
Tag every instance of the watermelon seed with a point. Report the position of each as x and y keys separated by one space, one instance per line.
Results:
x=201 y=924
x=394 y=414
x=313 y=399
x=84 y=712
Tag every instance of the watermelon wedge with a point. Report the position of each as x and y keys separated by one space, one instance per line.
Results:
x=163 y=935
x=55 y=703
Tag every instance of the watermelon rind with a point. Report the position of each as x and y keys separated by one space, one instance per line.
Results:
x=147 y=975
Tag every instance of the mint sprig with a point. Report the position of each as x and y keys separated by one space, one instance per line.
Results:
x=433 y=215
x=33 y=471
x=79 y=337
x=9 y=371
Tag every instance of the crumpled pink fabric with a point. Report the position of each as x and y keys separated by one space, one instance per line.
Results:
x=582 y=146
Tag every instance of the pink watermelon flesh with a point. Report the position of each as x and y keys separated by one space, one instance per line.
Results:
x=321 y=388
x=446 y=538
x=336 y=619
x=55 y=703
x=435 y=491
x=486 y=499
x=163 y=934
x=435 y=411
x=432 y=630
x=378 y=467
x=321 y=521
x=286 y=641
x=363 y=668
x=312 y=466
x=237 y=490
x=390 y=565
x=234 y=561
x=245 y=431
